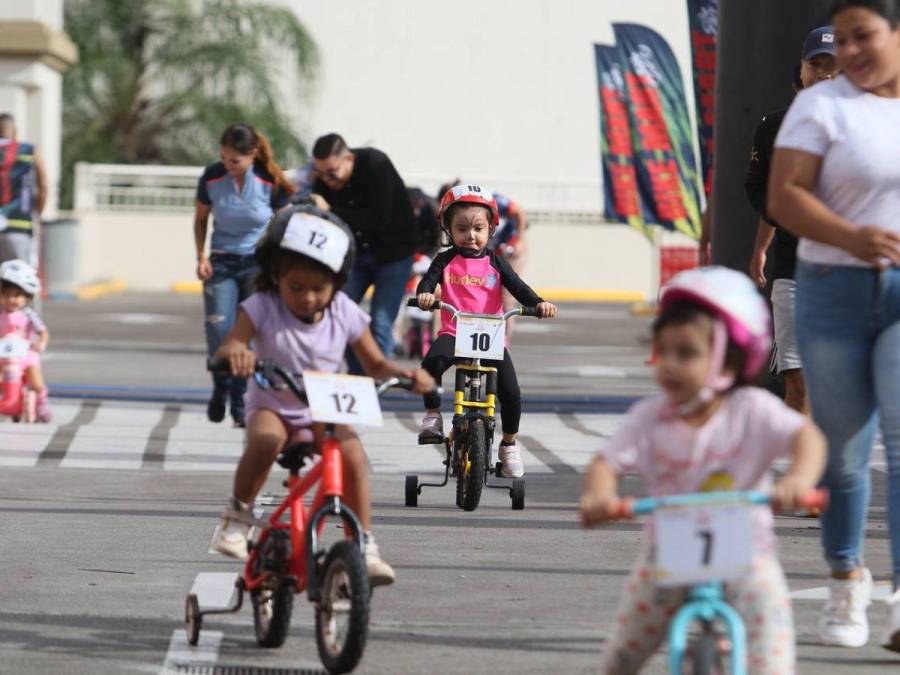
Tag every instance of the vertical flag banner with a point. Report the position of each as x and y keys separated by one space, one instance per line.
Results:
x=704 y=17
x=623 y=202
x=661 y=128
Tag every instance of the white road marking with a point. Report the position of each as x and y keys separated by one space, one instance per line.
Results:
x=880 y=591
x=139 y=318
x=114 y=440
x=588 y=371
x=180 y=653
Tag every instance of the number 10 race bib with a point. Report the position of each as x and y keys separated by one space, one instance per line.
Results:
x=480 y=338
x=698 y=544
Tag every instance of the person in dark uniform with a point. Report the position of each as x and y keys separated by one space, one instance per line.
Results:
x=817 y=63
x=363 y=188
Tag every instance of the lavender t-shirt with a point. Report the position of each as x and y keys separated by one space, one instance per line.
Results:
x=734 y=450
x=298 y=346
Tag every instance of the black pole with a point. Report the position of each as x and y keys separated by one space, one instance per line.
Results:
x=759 y=44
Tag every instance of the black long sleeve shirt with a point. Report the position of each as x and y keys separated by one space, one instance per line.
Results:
x=784 y=245
x=375 y=205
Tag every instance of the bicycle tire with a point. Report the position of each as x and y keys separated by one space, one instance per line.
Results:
x=705 y=657
x=344 y=579
x=473 y=465
x=272 y=606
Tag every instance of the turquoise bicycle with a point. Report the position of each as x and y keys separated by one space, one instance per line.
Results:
x=707 y=546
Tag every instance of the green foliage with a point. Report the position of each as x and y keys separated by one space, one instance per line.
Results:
x=159 y=80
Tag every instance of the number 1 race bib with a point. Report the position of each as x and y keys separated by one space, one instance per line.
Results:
x=342 y=399
x=480 y=338
x=698 y=544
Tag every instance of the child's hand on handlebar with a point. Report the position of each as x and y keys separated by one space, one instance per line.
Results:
x=601 y=508
x=423 y=382
x=241 y=360
x=790 y=492
x=546 y=310
x=425 y=300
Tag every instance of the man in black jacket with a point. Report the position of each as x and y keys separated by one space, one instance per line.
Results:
x=817 y=63
x=362 y=186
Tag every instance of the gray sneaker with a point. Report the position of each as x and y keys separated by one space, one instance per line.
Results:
x=432 y=430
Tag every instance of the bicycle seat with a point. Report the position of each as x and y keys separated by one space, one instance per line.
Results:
x=299 y=447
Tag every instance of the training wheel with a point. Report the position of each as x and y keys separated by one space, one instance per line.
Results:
x=518 y=494
x=193 y=620
x=412 y=490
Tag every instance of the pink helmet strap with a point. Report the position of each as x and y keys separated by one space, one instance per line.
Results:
x=716 y=381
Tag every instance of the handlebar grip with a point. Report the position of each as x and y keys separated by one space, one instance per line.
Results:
x=218 y=365
x=412 y=302
x=816 y=499
x=530 y=311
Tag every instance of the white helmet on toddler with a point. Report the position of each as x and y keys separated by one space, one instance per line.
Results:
x=733 y=299
x=21 y=274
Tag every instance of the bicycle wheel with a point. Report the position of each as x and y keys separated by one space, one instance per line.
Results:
x=470 y=479
x=342 y=615
x=705 y=656
x=272 y=604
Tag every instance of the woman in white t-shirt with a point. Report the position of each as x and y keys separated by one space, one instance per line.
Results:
x=835 y=182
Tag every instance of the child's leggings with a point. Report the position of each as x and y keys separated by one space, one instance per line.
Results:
x=761 y=598
x=440 y=357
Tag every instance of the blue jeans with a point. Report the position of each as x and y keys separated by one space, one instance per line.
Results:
x=230 y=284
x=389 y=280
x=848 y=332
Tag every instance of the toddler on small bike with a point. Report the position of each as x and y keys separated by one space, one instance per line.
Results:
x=472 y=279
x=300 y=318
x=708 y=431
x=18 y=284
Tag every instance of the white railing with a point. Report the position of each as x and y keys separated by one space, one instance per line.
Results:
x=125 y=187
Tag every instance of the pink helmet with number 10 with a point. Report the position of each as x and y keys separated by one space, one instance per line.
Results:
x=736 y=303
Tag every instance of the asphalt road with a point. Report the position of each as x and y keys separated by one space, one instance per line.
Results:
x=109 y=510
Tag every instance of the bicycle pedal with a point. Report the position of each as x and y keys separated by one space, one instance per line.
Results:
x=431 y=440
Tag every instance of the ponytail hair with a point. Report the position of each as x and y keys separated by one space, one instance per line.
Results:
x=244 y=138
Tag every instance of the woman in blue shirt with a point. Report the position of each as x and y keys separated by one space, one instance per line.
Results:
x=242 y=191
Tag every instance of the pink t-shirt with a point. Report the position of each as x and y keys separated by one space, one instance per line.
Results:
x=25 y=323
x=734 y=450
x=298 y=346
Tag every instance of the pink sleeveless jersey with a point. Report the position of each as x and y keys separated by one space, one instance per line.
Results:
x=470 y=285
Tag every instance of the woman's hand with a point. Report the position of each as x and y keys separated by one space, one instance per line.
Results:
x=601 y=508
x=875 y=245
x=546 y=310
x=426 y=300
x=204 y=268
x=423 y=382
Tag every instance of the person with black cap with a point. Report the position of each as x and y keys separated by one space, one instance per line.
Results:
x=817 y=63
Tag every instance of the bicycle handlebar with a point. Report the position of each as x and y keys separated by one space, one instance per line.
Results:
x=269 y=370
x=815 y=499
x=438 y=304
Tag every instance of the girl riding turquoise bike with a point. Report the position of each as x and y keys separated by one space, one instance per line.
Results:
x=708 y=431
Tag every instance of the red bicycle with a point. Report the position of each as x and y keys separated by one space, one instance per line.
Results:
x=286 y=558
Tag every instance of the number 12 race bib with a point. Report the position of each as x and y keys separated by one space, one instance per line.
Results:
x=342 y=399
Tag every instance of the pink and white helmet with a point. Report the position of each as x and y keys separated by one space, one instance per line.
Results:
x=733 y=299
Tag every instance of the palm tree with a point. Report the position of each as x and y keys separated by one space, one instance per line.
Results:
x=158 y=80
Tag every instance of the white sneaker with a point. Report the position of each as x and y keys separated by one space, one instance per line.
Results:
x=230 y=537
x=843 y=622
x=511 y=459
x=891 y=637
x=380 y=573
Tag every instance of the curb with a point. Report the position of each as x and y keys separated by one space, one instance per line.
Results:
x=550 y=294
x=188 y=287
x=90 y=291
x=644 y=309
